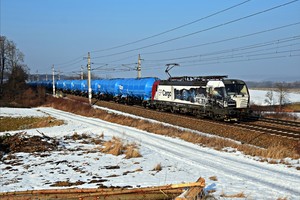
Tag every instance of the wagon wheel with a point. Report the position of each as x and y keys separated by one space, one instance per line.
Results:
x=172 y=110
x=160 y=109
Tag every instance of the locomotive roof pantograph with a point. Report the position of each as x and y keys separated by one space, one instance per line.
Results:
x=191 y=80
x=197 y=78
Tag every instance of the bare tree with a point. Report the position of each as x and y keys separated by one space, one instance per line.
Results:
x=16 y=84
x=3 y=44
x=282 y=90
x=10 y=56
x=269 y=98
x=14 y=56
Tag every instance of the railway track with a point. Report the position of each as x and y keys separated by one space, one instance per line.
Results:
x=284 y=129
x=286 y=133
x=282 y=122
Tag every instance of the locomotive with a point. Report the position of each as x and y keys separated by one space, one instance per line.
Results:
x=215 y=97
x=206 y=96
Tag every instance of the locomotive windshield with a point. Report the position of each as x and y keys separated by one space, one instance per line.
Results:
x=219 y=92
x=236 y=88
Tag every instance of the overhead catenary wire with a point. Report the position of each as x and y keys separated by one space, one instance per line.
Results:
x=243 y=55
x=213 y=42
x=243 y=60
x=218 y=61
x=224 y=40
x=257 y=45
x=173 y=29
x=164 y=32
x=233 y=53
x=78 y=60
x=213 y=63
x=201 y=31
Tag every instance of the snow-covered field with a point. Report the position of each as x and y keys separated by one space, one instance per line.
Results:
x=180 y=161
x=258 y=97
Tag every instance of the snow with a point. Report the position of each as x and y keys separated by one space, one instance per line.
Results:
x=181 y=162
x=21 y=112
x=258 y=97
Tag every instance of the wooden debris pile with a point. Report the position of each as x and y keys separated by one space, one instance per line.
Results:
x=185 y=191
x=22 y=142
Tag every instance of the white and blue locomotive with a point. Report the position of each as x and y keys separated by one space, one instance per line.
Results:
x=205 y=96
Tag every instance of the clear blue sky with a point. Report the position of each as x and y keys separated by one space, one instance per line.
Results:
x=61 y=32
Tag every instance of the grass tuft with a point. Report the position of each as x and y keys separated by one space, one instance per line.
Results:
x=157 y=167
x=238 y=195
x=213 y=178
x=132 y=151
x=114 y=147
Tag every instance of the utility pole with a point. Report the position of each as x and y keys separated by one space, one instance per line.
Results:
x=139 y=67
x=81 y=73
x=89 y=78
x=53 y=80
x=37 y=75
x=58 y=75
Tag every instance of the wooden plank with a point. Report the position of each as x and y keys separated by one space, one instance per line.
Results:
x=193 y=191
x=158 y=192
x=147 y=195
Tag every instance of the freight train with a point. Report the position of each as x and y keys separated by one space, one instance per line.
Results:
x=215 y=97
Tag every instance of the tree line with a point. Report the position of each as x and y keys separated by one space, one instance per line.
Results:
x=271 y=84
x=13 y=70
x=13 y=75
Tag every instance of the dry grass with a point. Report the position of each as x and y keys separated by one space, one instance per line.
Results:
x=116 y=147
x=22 y=97
x=132 y=151
x=21 y=123
x=238 y=195
x=213 y=178
x=66 y=183
x=282 y=198
x=157 y=167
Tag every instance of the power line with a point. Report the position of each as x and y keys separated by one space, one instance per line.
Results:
x=79 y=58
x=214 y=42
x=224 y=40
x=257 y=45
x=203 y=30
x=233 y=54
x=164 y=32
x=246 y=59
x=242 y=55
x=245 y=56
x=173 y=29
x=218 y=62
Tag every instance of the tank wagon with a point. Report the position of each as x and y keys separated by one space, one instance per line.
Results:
x=205 y=96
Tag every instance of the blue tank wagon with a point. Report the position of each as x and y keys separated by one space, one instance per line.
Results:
x=137 y=89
